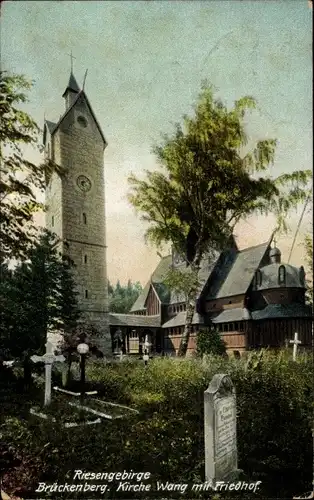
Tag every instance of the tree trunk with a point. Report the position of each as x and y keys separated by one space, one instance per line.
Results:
x=190 y=309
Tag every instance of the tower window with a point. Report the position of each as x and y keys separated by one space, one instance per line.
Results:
x=86 y=294
x=282 y=275
x=82 y=121
x=52 y=221
x=84 y=218
x=85 y=259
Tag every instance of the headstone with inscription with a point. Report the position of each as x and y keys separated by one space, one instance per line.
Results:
x=221 y=462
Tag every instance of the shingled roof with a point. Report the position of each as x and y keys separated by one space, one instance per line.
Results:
x=134 y=320
x=179 y=320
x=228 y=315
x=273 y=311
x=165 y=295
x=72 y=85
x=234 y=274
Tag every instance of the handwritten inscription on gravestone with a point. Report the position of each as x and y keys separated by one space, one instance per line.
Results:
x=220 y=429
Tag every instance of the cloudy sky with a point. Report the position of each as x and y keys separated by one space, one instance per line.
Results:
x=146 y=61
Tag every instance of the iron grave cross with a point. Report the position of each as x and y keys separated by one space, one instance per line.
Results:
x=48 y=358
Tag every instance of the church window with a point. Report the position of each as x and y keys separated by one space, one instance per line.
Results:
x=85 y=259
x=52 y=221
x=181 y=308
x=86 y=294
x=282 y=275
x=84 y=218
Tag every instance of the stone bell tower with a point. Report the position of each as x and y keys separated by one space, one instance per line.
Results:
x=76 y=203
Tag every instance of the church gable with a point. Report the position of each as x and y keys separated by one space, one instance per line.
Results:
x=152 y=302
x=80 y=114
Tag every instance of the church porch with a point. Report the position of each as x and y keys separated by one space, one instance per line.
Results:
x=130 y=333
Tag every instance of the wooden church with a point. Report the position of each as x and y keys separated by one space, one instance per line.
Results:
x=249 y=295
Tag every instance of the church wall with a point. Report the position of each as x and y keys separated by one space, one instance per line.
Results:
x=276 y=332
x=152 y=303
x=225 y=303
x=234 y=341
x=284 y=295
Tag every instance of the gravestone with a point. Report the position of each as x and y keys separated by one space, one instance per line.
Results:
x=221 y=461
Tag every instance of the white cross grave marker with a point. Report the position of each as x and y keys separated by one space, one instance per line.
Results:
x=48 y=358
x=295 y=343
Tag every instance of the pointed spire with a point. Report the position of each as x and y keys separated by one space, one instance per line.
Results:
x=72 y=85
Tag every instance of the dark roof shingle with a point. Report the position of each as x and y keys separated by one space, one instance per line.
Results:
x=235 y=275
x=283 y=311
x=134 y=320
x=179 y=320
x=228 y=315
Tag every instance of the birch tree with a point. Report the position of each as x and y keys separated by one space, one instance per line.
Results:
x=206 y=184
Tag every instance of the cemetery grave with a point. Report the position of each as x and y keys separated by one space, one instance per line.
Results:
x=72 y=413
x=220 y=428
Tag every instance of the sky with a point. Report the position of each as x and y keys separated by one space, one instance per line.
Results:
x=146 y=61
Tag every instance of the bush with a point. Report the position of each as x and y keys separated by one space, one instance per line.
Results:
x=210 y=342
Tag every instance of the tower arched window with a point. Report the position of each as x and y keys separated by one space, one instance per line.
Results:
x=85 y=259
x=84 y=218
x=282 y=275
x=86 y=294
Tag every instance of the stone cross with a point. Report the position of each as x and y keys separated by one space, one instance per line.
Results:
x=295 y=343
x=220 y=428
x=48 y=358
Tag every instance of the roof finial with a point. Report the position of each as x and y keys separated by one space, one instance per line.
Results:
x=72 y=57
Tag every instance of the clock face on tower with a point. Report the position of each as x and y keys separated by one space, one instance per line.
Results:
x=84 y=183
